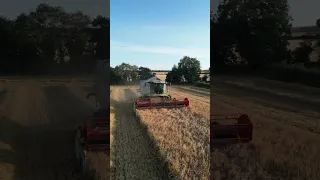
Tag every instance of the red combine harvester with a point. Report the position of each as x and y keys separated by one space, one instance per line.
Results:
x=225 y=130
x=94 y=134
x=155 y=95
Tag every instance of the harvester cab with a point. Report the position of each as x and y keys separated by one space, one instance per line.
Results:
x=154 y=94
x=225 y=130
x=94 y=134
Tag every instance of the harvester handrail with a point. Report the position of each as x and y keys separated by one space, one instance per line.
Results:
x=242 y=119
x=164 y=103
x=222 y=117
x=104 y=129
x=236 y=125
x=98 y=118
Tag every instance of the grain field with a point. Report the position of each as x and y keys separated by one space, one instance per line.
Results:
x=286 y=130
x=37 y=127
x=182 y=135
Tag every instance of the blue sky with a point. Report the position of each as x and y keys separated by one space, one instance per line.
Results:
x=158 y=33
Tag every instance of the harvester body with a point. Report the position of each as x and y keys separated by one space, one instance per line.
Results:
x=150 y=86
x=225 y=130
x=154 y=94
x=94 y=134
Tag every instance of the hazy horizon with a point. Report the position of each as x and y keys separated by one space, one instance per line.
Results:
x=11 y=9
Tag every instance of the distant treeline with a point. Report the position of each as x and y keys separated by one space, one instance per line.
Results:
x=50 y=40
x=186 y=72
x=202 y=71
x=126 y=73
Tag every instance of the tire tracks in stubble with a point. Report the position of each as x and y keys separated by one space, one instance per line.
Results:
x=134 y=156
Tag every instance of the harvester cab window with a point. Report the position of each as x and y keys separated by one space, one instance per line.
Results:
x=158 y=88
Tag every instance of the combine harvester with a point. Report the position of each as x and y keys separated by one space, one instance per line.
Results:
x=225 y=130
x=154 y=94
x=94 y=135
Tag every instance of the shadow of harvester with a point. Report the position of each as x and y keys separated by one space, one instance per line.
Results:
x=45 y=149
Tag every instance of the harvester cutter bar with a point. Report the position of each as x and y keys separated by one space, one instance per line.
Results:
x=147 y=103
x=98 y=147
x=97 y=132
x=239 y=131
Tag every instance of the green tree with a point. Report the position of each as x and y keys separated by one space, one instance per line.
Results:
x=134 y=74
x=144 y=73
x=302 y=53
x=114 y=76
x=44 y=26
x=204 y=78
x=318 y=41
x=49 y=39
x=8 y=45
x=77 y=37
x=222 y=39
x=190 y=68
x=318 y=22
x=253 y=28
x=127 y=72
x=101 y=36
x=174 y=75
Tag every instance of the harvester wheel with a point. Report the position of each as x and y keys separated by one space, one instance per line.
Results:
x=83 y=160
x=134 y=109
x=79 y=149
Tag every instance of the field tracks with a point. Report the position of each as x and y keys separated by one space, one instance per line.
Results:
x=36 y=134
x=133 y=155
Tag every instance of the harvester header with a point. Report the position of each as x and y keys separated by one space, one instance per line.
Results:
x=230 y=129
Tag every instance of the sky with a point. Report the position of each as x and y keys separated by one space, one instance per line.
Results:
x=158 y=33
x=12 y=8
x=304 y=13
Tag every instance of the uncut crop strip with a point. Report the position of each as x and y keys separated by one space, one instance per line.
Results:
x=98 y=165
x=182 y=138
x=199 y=105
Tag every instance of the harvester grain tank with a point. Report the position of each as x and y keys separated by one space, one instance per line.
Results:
x=94 y=134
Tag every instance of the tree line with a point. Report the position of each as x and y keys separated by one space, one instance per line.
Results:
x=50 y=40
x=187 y=70
x=252 y=36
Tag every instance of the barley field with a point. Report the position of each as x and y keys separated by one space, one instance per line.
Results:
x=286 y=130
